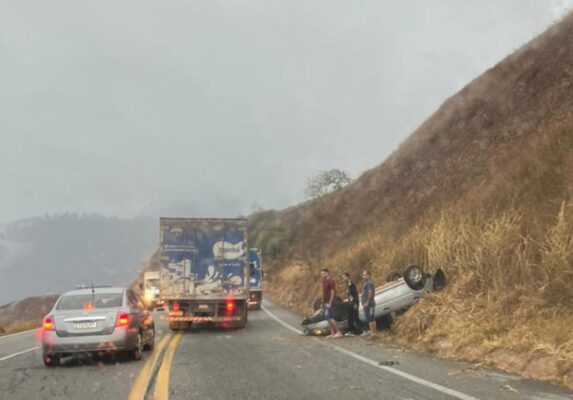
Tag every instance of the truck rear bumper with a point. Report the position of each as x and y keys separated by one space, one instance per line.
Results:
x=202 y=319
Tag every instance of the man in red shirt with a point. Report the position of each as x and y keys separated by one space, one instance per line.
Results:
x=328 y=293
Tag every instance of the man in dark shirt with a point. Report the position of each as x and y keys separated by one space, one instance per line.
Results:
x=368 y=303
x=352 y=306
x=328 y=293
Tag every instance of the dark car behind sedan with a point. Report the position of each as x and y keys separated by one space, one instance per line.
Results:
x=97 y=320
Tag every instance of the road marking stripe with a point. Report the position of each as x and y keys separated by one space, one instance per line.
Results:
x=18 y=353
x=280 y=321
x=17 y=333
x=139 y=388
x=161 y=391
x=435 y=386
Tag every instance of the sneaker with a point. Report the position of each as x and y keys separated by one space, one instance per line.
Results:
x=365 y=334
x=349 y=334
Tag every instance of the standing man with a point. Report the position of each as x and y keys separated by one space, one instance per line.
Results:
x=352 y=306
x=328 y=293
x=368 y=303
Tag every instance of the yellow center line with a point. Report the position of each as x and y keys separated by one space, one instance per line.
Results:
x=143 y=379
x=161 y=391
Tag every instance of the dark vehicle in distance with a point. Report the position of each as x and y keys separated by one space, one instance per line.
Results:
x=97 y=320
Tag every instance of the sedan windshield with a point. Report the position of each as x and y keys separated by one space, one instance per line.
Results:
x=99 y=300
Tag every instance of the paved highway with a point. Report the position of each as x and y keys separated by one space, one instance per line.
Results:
x=267 y=360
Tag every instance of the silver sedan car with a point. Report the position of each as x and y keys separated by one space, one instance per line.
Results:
x=97 y=320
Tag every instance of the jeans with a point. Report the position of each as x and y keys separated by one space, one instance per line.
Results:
x=353 y=320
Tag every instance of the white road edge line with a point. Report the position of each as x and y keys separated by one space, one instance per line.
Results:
x=18 y=353
x=405 y=375
x=18 y=333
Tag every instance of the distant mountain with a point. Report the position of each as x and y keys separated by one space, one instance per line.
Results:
x=55 y=253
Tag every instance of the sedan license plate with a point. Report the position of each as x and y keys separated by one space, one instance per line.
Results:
x=85 y=325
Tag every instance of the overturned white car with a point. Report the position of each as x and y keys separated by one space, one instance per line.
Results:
x=401 y=292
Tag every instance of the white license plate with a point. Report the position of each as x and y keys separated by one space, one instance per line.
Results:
x=85 y=325
x=203 y=306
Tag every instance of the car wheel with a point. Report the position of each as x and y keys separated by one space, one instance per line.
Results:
x=151 y=344
x=393 y=276
x=137 y=352
x=384 y=322
x=51 y=360
x=415 y=277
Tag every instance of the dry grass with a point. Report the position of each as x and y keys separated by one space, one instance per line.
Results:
x=20 y=327
x=510 y=286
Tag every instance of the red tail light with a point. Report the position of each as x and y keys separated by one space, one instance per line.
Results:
x=123 y=319
x=230 y=306
x=175 y=306
x=48 y=324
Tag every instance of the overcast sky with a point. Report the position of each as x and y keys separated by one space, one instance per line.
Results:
x=127 y=107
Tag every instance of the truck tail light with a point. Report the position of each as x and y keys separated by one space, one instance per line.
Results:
x=175 y=307
x=48 y=323
x=123 y=320
x=230 y=307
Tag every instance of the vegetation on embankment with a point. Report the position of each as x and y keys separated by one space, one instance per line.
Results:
x=484 y=190
x=509 y=296
x=25 y=314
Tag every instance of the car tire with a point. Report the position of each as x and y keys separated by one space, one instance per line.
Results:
x=384 y=322
x=393 y=276
x=151 y=345
x=415 y=278
x=50 y=360
x=137 y=351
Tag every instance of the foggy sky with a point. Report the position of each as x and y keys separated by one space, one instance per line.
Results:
x=127 y=107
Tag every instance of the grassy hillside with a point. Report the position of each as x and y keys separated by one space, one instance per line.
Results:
x=482 y=189
x=25 y=314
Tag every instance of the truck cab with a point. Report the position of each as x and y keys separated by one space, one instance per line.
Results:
x=151 y=289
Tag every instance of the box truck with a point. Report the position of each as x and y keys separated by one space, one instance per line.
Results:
x=204 y=271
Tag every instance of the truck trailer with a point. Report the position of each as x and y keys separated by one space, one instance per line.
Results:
x=204 y=271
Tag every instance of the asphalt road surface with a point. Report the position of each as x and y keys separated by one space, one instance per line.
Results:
x=267 y=360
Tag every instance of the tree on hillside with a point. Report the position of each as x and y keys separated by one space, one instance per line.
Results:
x=326 y=182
